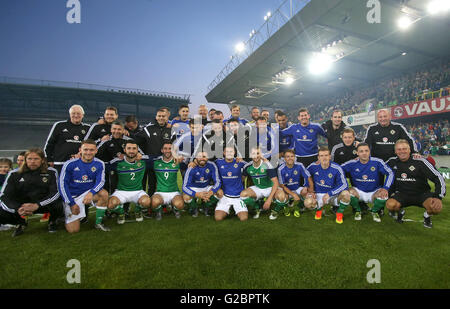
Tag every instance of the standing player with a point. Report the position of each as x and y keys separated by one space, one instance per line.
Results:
x=236 y=113
x=265 y=181
x=285 y=141
x=181 y=126
x=167 y=191
x=129 y=172
x=305 y=136
x=100 y=132
x=330 y=185
x=365 y=173
x=231 y=177
x=382 y=136
x=197 y=184
x=334 y=129
x=296 y=182
x=411 y=184
x=81 y=183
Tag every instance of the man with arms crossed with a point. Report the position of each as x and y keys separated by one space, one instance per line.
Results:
x=365 y=173
x=81 y=183
x=411 y=184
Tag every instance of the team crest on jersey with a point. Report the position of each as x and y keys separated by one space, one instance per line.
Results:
x=330 y=175
x=311 y=131
x=166 y=135
x=295 y=172
x=404 y=176
x=354 y=152
x=173 y=164
x=139 y=164
x=44 y=179
x=235 y=165
x=207 y=170
x=385 y=139
x=76 y=137
x=392 y=132
x=85 y=177
x=93 y=169
x=229 y=174
x=83 y=132
x=412 y=168
x=372 y=168
x=365 y=177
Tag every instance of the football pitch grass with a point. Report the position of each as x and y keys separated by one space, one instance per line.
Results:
x=199 y=253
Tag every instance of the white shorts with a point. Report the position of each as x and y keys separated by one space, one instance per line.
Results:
x=225 y=203
x=206 y=189
x=129 y=196
x=167 y=196
x=366 y=197
x=298 y=191
x=261 y=193
x=68 y=212
x=333 y=200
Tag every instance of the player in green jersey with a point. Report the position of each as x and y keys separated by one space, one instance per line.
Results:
x=129 y=172
x=265 y=181
x=166 y=170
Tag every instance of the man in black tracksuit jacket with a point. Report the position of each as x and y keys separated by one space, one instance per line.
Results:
x=151 y=140
x=334 y=128
x=99 y=132
x=65 y=138
x=29 y=190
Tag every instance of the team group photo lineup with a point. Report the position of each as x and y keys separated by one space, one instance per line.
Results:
x=254 y=144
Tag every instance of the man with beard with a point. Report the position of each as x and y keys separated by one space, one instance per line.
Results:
x=100 y=132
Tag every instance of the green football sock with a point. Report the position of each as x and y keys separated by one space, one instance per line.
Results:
x=192 y=204
x=279 y=205
x=159 y=208
x=251 y=203
x=298 y=204
x=342 y=207
x=99 y=214
x=378 y=204
x=137 y=208
x=119 y=209
x=212 y=201
x=355 y=203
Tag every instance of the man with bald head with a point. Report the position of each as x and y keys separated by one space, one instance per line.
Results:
x=381 y=136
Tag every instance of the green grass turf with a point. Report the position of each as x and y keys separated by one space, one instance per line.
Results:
x=191 y=252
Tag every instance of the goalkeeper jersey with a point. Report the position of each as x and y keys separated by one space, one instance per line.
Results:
x=129 y=174
x=166 y=175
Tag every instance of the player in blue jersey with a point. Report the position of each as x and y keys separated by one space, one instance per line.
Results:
x=197 y=184
x=296 y=182
x=231 y=177
x=305 y=136
x=81 y=183
x=236 y=113
x=330 y=185
x=181 y=126
x=365 y=172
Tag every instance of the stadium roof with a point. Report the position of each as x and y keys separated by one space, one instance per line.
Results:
x=362 y=52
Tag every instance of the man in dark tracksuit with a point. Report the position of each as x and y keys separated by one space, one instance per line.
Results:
x=151 y=140
x=334 y=128
x=100 y=132
x=30 y=189
x=65 y=138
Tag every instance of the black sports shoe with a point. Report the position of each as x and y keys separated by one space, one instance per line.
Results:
x=381 y=212
x=427 y=222
x=52 y=227
x=400 y=215
x=364 y=208
x=393 y=214
x=19 y=230
x=334 y=209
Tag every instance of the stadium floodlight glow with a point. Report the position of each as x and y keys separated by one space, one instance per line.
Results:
x=240 y=47
x=404 y=22
x=320 y=63
x=289 y=80
x=438 y=6
x=269 y=14
x=404 y=54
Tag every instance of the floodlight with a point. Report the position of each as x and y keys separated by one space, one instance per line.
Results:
x=289 y=80
x=320 y=63
x=438 y=6
x=404 y=22
x=240 y=47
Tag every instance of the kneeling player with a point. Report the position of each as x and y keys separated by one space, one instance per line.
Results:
x=129 y=172
x=81 y=183
x=265 y=181
x=197 y=182
x=295 y=181
x=330 y=185
x=230 y=172
x=167 y=191
x=411 y=184
x=365 y=172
